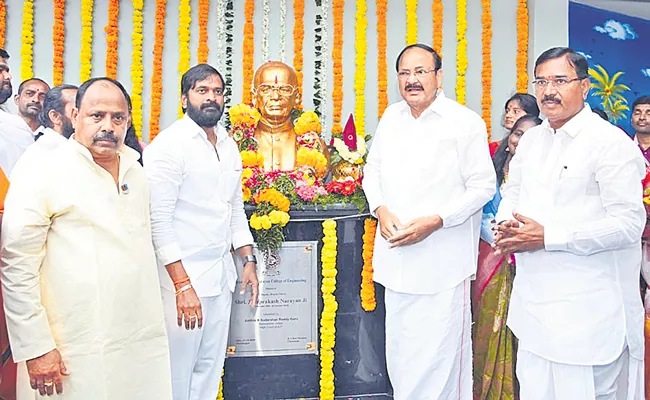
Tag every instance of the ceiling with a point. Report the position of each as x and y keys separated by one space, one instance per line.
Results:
x=635 y=8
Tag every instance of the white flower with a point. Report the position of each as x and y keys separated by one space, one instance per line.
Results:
x=348 y=155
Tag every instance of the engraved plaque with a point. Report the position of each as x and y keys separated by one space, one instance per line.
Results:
x=285 y=322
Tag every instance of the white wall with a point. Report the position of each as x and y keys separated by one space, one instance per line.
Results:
x=547 y=30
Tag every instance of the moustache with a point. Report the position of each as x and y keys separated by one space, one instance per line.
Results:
x=105 y=136
x=413 y=86
x=551 y=99
x=36 y=106
x=210 y=105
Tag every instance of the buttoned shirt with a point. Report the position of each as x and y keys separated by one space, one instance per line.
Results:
x=197 y=211
x=436 y=164
x=15 y=138
x=49 y=141
x=576 y=301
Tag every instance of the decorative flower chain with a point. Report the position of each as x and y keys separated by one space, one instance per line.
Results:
x=3 y=23
x=382 y=64
x=411 y=21
x=298 y=39
x=221 y=36
x=266 y=8
x=249 y=51
x=486 y=72
x=338 y=7
x=368 y=301
x=360 y=47
x=27 y=43
x=324 y=12
x=185 y=21
x=230 y=23
x=461 y=51
x=112 y=36
x=137 y=69
x=156 y=75
x=220 y=393
x=58 y=42
x=283 y=28
x=330 y=306
x=437 y=11
x=522 y=46
x=318 y=50
x=204 y=16
x=86 y=53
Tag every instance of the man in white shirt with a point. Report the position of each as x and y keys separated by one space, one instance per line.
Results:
x=29 y=99
x=197 y=216
x=428 y=175
x=572 y=211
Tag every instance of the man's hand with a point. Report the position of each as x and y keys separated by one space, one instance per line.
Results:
x=416 y=231
x=249 y=277
x=46 y=373
x=388 y=222
x=188 y=308
x=523 y=234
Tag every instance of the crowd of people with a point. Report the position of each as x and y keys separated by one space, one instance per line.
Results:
x=511 y=269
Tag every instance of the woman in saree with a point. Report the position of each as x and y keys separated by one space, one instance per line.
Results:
x=494 y=344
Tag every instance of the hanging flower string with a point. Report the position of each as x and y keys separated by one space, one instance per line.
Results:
x=249 y=51
x=229 y=23
x=382 y=64
x=283 y=28
x=156 y=75
x=461 y=51
x=112 y=35
x=522 y=46
x=324 y=58
x=266 y=10
x=360 y=47
x=221 y=35
x=330 y=306
x=58 y=42
x=137 y=69
x=185 y=12
x=204 y=16
x=220 y=393
x=27 y=43
x=318 y=50
x=411 y=21
x=437 y=12
x=337 y=66
x=298 y=39
x=86 y=53
x=368 y=301
x=486 y=71
x=3 y=23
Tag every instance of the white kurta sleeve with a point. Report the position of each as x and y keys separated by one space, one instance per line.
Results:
x=241 y=234
x=372 y=174
x=25 y=227
x=619 y=171
x=511 y=189
x=478 y=173
x=164 y=170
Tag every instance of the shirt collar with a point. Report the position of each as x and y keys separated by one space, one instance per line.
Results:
x=194 y=129
x=573 y=126
x=437 y=106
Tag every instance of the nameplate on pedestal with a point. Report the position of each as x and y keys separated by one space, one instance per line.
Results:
x=285 y=321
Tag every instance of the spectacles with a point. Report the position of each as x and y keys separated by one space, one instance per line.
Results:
x=418 y=73
x=557 y=82
x=284 y=90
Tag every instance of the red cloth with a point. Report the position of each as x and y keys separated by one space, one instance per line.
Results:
x=493 y=148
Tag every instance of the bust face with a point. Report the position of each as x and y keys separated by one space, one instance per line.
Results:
x=276 y=92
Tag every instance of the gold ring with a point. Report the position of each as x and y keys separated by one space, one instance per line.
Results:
x=48 y=384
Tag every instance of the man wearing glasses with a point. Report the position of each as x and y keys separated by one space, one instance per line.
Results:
x=197 y=215
x=427 y=178
x=572 y=212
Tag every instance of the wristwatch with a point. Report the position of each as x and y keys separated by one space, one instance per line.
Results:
x=248 y=259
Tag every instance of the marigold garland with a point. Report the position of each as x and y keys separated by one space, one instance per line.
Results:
x=411 y=21
x=185 y=12
x=27 y=43
x=204 y=14
x=220 y=393
x=86 y=53
x=156 y=75
x=58 y=42
x=337 y=66
x=382 y=64
x=437 y=11
x=486 y=71
x=249 y=51
x=3 y=23
x=368 y=301
x=522 y=46
x=360 y=47
x=112 y=36
x=298 y=40
x=137 y=69
x=330 y=306
x=461 y=51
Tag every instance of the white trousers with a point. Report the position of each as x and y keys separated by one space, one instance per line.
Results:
x=197 y=355
x=428 y=344
x=541 y=379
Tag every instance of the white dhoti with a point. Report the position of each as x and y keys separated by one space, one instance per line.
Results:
x=541 y=379
x=428 y=344
x=197 y=355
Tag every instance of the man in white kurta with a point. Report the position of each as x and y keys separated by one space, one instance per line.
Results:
x=572 y=212
x=78 y=273
x=428 y=175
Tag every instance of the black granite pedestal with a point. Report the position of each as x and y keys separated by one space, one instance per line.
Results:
x=360 y=362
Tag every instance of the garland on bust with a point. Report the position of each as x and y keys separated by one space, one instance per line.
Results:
x=58 y=42
x=298 y=40
x=27 y=43
x=204 y=16
x=86 y=53
x=112 y=36
x=522 y=46
x=437 y=11
x=137 y=69
x=330 y=306
x=3 y=23
x=249 y=51
x=185 y=12
x=156 y=76
x=461 y=51
x=360 y=47
x=338 y=7
x=411 y=22
x=486 y=71
x=368 y=301
x=382 y=64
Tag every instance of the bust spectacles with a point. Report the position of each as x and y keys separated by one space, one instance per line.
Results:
x=542 y=83
x=418 y=73
x=283 y=90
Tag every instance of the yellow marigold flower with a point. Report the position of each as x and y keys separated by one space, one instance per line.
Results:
x=246 y=174
x=266 y=222
x=246 y=193
x=255 y=222
x=275 y=217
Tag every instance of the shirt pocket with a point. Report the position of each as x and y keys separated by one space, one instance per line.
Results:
x=574 y=183
x=229 y=183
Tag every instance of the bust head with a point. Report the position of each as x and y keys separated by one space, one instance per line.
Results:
x=276 y=92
